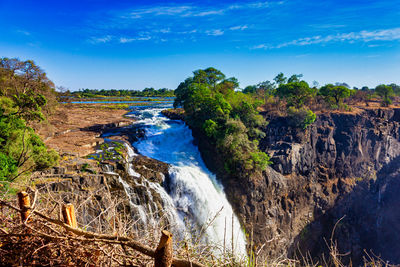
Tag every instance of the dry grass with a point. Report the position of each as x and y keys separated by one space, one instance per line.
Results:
x=41 y=241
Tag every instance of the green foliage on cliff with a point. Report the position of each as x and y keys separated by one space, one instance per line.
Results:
x=227 y=117
x=26 y=96
x=301 y=118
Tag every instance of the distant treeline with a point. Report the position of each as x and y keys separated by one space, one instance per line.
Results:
x=296 y=92
x=147 y=92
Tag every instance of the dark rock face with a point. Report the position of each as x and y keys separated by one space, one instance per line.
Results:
x=367 y=219
x=98 y=191
x=337 y=166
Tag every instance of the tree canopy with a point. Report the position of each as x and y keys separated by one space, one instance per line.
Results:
x=227 y=117
x=296 y=93
x=26 y=95
x=334 y=93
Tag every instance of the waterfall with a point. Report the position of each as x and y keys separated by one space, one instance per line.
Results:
x=148 y=213
x=192 y=191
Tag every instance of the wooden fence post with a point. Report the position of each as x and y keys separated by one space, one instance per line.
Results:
x=68 y=213
x=24 y=202
x=163 y=253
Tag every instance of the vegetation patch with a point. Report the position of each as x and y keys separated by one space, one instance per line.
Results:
x=227 y=117
x=26 y=98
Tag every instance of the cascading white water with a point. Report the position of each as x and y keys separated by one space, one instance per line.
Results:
x=192 y=188
x=145 y=211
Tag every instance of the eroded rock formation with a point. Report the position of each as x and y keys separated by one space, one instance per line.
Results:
x=343 y=164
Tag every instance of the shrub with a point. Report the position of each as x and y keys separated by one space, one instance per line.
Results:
x=301 y=118
x=210 y=128
x=8 y=167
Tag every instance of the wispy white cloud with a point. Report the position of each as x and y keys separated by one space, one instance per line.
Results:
x=364 y=36
x=26 y=33
x=188 y=32
x=327 y=26
x=166 y=21
x=124 y=40
x=190 y=10
x=165 y=30
x=260 y=4
x=207 y=13
x=260 y=46
x=216 y=32
x=239 y=27
x=99 y=40
x=158 y=11
x=351 y=37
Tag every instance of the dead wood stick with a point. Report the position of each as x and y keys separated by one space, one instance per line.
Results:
x=68 y=213
x=163 y=253
x=24 y=205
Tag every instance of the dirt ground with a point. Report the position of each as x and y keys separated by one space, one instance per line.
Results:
x=75 y=128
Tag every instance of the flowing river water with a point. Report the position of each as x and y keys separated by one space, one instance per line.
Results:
x=192 y=196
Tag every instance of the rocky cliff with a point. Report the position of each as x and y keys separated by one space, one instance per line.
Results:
x=345 y=164
x=108 y=192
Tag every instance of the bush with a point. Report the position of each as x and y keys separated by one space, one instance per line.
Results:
x=260 y=159
x=210 y=128
x=8 y=167
x=301 y=118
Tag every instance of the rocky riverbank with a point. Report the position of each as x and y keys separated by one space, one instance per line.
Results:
x=76 y=129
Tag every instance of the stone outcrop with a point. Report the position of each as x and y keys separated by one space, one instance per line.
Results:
x=174 y=114
x=338 y=166
x=96 y=188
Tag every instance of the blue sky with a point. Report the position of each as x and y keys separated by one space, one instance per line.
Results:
x=137 y=44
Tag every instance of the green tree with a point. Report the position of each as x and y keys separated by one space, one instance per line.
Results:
x=334 y=93
x=384 y=91
x=265 y=89
x=28 y=86
x=227 y=86
x=280 y=79
x=27 y=89
x=251 y=89
x=295 y=93
x=25 y=93
x=208 y=76
x=295 y=78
